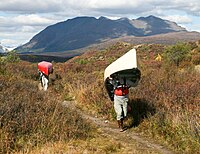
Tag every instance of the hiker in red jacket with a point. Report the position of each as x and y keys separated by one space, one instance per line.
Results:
x=121 y=90
x=44 y=69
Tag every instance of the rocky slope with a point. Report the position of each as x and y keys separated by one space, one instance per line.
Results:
x=81 y=32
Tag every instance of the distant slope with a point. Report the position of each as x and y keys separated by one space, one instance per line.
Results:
x=82 y=32
x=168 y=38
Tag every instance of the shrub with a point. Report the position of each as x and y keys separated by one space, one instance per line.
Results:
x=165 y=104
x=177 y=53
x=175 y=97
x=196 y=58
x=30 y=118
x=12 y=57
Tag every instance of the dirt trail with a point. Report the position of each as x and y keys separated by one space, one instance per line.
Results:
x=128 y=137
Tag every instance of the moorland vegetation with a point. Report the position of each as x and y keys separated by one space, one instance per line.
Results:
x=165 y=104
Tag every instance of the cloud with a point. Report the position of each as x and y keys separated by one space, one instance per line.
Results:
x=14 y=39
x=32 y=20
x=9 y=42
x=22 y=19
x=25 y=6
x=21 y=27
x=195 y=27
x=179 y=19
x=191 y=7
x=29 y=20
x=109 y=6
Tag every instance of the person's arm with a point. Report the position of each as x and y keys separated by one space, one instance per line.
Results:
x=110 y=80
x=113 y=82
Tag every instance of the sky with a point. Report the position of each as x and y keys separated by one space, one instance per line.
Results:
x=20 y=20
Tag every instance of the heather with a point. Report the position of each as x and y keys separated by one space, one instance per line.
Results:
x=165 y=104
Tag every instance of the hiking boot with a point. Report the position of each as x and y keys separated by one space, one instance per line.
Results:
x=121 y=129
x=120 y=125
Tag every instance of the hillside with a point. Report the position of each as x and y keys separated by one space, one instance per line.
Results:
x=81 y=32
x=165 y=104
x=164 y=39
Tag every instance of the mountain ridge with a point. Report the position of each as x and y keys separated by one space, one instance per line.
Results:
x=81 y=32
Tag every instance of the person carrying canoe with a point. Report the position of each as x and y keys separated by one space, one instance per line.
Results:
x=121 y=91
x=44 y=70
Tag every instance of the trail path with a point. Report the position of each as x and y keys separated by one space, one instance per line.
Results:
x=127 y=137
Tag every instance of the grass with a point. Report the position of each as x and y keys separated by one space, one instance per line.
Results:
x=91 y=145
x=31 y=118
x=176 y=119
x=165 y=104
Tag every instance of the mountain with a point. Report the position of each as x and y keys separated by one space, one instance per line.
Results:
x=5 y=49
x=152 y=25
x=82 y=32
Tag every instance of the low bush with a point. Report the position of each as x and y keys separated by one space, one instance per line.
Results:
x=165 y=104
x=30 y=118
x=177 y=53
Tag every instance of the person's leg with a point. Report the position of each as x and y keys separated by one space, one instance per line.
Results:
x=45 y=83
x=125 y=107
x=125 y=111
x=118 y=110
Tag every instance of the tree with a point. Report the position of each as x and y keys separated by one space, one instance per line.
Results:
x=12 y=57
x=177 y=53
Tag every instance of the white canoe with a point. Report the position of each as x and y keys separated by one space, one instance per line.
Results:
x=125 y=62
x=124 y=68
